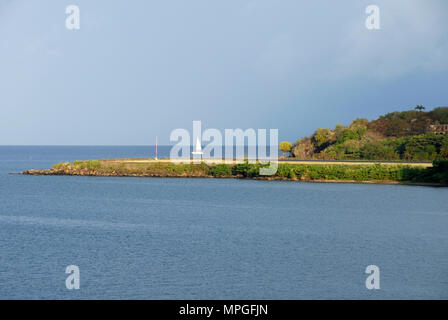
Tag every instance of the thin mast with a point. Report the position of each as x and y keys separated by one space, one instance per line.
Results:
x=156 y=147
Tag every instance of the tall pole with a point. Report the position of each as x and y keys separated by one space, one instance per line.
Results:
x=156 y=147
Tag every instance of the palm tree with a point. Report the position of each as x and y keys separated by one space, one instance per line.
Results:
x=419 y=108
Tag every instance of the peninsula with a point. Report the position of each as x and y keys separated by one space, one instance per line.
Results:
x=368 y=172
x=400 y=147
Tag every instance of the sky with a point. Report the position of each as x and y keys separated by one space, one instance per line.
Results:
x=142 y=68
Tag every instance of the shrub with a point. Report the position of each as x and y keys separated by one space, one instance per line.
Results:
x=220 y=170
x=285 y=171
x=246 y=169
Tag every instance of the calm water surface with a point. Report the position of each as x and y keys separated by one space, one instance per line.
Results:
x=153 y=238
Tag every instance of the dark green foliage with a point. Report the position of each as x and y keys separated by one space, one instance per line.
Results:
x=424 y=147
x=321 y=138
x=440 y=171
x=246 y=170
x=353 y=172
x=375 y=172
x=349 y=134
x=220 y=170
x=437 y=173
x=404 y=135
x=286 y=171
x=443 y=154
x=439 y=115
x=379 y=150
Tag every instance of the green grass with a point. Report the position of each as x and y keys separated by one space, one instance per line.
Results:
x=377 y=172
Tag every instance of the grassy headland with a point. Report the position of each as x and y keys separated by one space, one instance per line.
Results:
x=374 y=173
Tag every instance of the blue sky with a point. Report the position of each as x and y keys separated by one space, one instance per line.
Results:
x=140 y=68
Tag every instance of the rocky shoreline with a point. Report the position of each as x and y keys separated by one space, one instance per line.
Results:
x=99 y=173
x=94 y=173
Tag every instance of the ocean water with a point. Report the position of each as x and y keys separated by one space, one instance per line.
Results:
x=155 y=238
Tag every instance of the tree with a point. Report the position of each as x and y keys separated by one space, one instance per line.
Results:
x=439 y=114
x=419 y=108
x=285 y=146
x=379 y=150
x=348 y=134
x=397 y=128
x=321 y=137
x=359 y=122
x=339 y=127
x=444 y=152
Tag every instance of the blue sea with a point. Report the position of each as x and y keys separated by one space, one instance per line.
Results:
x=170 y=238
